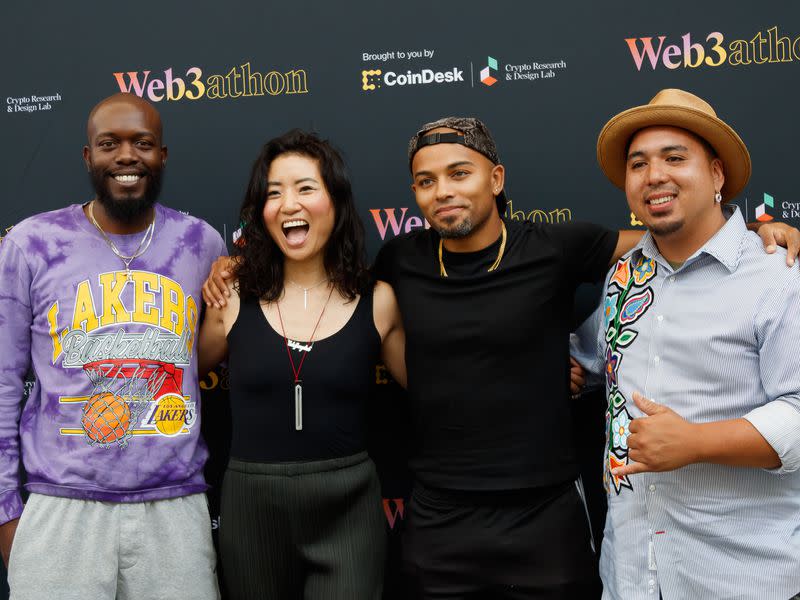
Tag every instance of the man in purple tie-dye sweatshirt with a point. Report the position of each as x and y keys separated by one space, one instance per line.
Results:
x=100 y=302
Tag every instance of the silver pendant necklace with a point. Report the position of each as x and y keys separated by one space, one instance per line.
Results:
x=140 y=249
x=306 y=290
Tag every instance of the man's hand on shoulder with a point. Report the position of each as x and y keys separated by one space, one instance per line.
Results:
x=778 y=234
x=215 y=287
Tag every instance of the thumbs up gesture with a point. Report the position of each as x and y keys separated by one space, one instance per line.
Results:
x=660 y=441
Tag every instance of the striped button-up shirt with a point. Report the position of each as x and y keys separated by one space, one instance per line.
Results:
x=717 y=338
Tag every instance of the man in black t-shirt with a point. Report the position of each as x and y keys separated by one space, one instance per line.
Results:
x=487 y=307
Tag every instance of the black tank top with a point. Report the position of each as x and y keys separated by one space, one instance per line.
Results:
x=336 y=374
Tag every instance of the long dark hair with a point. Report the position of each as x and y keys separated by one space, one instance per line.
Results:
x=260 y=268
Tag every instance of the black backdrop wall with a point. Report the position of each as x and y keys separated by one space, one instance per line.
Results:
x=543 y=76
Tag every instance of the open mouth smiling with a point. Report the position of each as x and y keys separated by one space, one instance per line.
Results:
x=295 y=231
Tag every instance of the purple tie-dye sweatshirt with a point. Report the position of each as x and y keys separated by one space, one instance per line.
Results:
x=114 y=413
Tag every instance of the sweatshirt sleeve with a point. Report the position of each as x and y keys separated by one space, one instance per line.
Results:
x=15 y=359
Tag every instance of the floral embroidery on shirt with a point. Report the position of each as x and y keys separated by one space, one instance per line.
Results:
x=635 y=307
x=644 y=270
x=610 y=309
x=622 y=274
x=621 y=310
x=620 y=427
x=612 y=365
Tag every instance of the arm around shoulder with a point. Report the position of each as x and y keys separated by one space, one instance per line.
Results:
x=627 y=239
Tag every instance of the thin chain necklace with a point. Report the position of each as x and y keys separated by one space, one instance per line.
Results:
x=140 y=249
x=298 y=383
x=306 y=289
x=492 y=267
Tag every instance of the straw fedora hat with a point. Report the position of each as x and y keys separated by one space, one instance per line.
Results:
x=675 y=108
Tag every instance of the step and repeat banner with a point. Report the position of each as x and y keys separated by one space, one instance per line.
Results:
x=544 y=77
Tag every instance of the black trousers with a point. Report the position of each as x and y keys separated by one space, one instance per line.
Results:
x=522 y=544
x=310 y=530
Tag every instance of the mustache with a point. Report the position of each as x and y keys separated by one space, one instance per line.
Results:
x=139 y=170
x=661 y=190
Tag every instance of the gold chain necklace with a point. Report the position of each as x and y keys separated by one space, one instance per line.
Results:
x=140 y=249
x=492 y=267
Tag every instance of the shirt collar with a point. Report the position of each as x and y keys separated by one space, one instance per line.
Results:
x=725 y=246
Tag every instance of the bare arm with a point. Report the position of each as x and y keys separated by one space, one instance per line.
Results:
x=735 y=442
x=213 y=342
x=628 y=238
x=390 y=326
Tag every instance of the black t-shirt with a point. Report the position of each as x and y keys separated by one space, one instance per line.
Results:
x=488 y=352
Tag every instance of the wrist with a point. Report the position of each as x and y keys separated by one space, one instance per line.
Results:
x=700 y=443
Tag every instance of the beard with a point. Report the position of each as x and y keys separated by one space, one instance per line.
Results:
x=665 y=228
x=456 y=231
x=126 y=207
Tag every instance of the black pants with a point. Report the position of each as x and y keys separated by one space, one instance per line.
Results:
x=311 y=530
x=522 y=544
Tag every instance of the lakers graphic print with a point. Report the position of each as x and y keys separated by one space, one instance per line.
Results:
x=132 y=343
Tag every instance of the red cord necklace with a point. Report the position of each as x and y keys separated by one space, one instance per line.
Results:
x=298 y=383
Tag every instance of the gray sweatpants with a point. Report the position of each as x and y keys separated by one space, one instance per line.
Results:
x=78 y=549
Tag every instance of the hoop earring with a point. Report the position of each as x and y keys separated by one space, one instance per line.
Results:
x=717 y=197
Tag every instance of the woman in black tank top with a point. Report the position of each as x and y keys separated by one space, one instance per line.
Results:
x=304 y=327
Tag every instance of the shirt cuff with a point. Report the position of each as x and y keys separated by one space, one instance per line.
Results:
x=779 y=423
x=10 y=506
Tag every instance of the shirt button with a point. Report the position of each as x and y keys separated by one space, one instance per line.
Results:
x=650 y=532
x=651 y=582
x=656 y=359
x=660 y=318
x=672 y=279
x=652 y=487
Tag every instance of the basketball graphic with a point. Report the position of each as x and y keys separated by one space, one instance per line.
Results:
x=106 y=418
x=132 y=397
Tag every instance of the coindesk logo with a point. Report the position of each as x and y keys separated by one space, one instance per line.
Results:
x=486 y=72
x=367 y=83
x=761 y=210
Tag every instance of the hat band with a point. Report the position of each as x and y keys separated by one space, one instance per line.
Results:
x=441 y=138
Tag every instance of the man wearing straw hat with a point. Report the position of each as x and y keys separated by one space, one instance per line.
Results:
x=697 y=338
